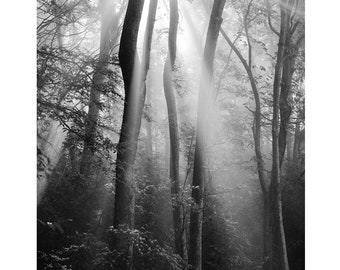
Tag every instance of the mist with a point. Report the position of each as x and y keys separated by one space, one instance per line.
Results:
x=120 y=149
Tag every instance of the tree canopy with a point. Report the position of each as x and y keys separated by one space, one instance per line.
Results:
x=170 y=134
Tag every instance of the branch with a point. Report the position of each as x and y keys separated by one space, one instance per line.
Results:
x=237 y=52
x=247 y=33
x=269 y=20
x=294 y=12
x=246 y=66
x=293 y=28
x=298 y=42
x=224 y=71
x=253 y=112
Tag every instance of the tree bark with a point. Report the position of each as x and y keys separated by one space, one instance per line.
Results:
x=127 y=145
x=149 y=126
x=279 y=257
x=289 y=147
x=173 y=130
x=146 y=63
x=200 y=162
x=296 y=143
x=290 y=50
x=109 y=20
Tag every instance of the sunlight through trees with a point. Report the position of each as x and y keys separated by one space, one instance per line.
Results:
x=171 y=134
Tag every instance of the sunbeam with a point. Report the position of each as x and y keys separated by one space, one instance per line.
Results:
x=171 y=134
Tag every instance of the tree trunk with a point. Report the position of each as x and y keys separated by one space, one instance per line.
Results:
x=286 y=85
x=146 y=63
x=127 y=145
x=279 y=258
x=107 y=13
x=296 y=143
x=173 y=130
x=148 y=125
x=256 y=129
x=200 y=162
x=290 y=140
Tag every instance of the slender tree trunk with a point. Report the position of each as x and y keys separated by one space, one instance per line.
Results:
x=127 y=145
x=148 y=39
x=256 y=129
x=149 y=126
x=290 y=140
x=296 y=143
x=223 y=74
x=271 y=196
x=286 y=85
x=146 y=63
x=167 y=153
x=200 y=162
x=267 y=236
x=72 y=140
x=279 y=258
x=173 y=130
x=107 y=13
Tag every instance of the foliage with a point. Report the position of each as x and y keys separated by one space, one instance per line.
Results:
x=75 y=217
x=85 y=251
x=221 y=236
x=148 y=253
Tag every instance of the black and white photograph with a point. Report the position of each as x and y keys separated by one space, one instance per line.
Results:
x=170 y=135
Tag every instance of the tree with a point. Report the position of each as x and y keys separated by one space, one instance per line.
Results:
x=278 y=256
x=279 y=131
x=221 y=141
x=173 y=130
x=200 y=162
x=126 y=148
x=134 y=78
x=109 y=25
x=256 y=128
x=281 y=90
x=146 y=58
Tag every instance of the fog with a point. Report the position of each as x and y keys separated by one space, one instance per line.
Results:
x=233 y=199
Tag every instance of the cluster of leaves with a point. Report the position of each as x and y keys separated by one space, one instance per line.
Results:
x=64 y=81
x=84 y=251
x=224 y=246
x=148 y=252
x=67 y=196
x=153 y=202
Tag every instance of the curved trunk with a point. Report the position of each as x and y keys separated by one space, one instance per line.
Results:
x=127 y=145
x=173 y=130
x=256 y=130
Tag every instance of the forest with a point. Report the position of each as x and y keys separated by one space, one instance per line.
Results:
x=170 y=134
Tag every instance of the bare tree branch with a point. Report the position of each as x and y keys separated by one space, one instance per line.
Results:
x=269 y=20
